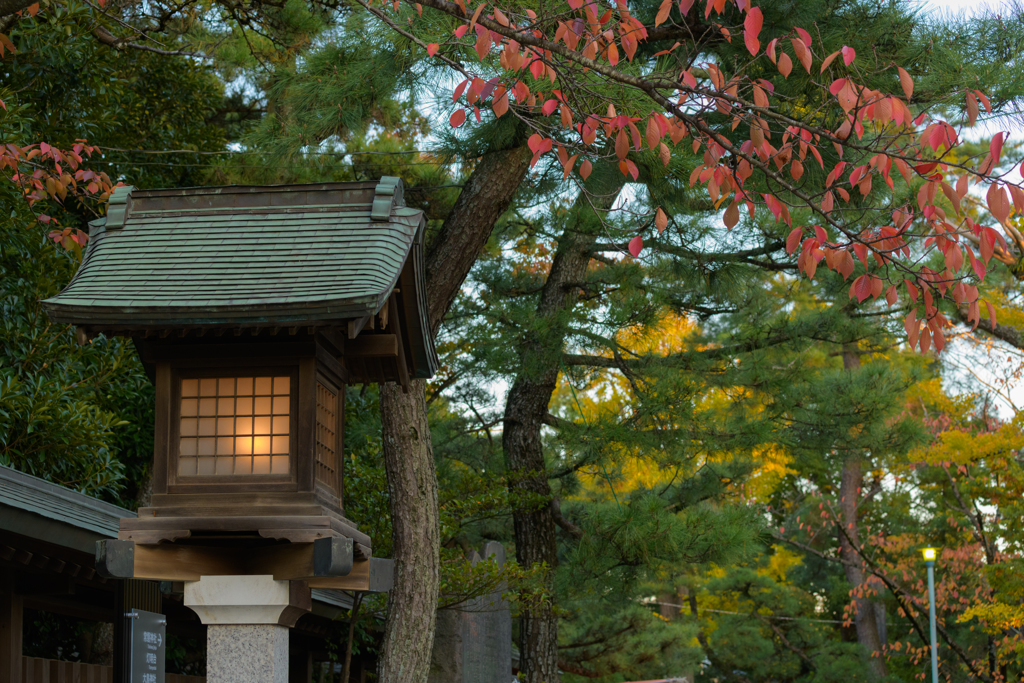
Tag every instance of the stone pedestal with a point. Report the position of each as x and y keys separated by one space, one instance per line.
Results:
x=247 y=619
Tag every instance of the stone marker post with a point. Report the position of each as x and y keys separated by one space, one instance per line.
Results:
x=247 y=620
x=473 y=641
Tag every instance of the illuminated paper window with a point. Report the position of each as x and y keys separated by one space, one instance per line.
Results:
x=234 y=426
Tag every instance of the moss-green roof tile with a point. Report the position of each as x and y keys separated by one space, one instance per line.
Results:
x=233 y=255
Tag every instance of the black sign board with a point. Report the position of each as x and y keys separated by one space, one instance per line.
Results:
x=147 y=635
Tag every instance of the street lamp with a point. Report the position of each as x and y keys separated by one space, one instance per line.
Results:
x=929 y=561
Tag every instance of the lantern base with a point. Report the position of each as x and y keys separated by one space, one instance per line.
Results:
x=247 y=619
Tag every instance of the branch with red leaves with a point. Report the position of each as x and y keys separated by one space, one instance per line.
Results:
x=45 y=173
x=577 y=125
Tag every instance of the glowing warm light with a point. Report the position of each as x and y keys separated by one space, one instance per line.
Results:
x=929 y=553
x=234 y=425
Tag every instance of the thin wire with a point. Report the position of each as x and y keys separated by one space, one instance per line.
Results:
x=746 y=614
x=197 y=165
x=241 y=153
x=584 y=416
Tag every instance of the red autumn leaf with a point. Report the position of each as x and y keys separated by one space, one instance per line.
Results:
x=629 y=168
x=991 y=314
x=998 y=204
x=666 y=7
x=972 y=108
x=906 y=81
x=458 y=118
x=731 y=216
x=861 y=288
x=585 y=168
x=849 y=54
x=785 y=65
x=432 y=49
x=793 y=240
x=660 y=220
x=804 y=36
x=751 y=28
x=621 y=145
x=803 y=53
x=912 y=327
x=636 y=245
x=653 y=133
x=500 y=105
x=461 y=31
x=844 y=264
x=996 y=148
x=828 y=60
x=984 y=101
x=976 y=265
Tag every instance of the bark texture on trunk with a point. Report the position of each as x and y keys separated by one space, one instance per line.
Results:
x=486 y=195
x=525 y=408
x=408 y=454
x=850 y=486
x=412 y=487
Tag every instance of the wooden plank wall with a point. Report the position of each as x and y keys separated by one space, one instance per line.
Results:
x=37 y=670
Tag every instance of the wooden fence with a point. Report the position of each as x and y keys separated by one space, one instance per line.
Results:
x=37 y=670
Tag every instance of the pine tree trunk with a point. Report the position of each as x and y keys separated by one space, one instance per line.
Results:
x=525 y=408
x=408 y=455
x=412 y=487
x=850 y=485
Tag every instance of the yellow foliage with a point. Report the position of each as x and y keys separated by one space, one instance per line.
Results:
x=962 y=447
x=780 y=563
x=773 y=466
x=995 y=617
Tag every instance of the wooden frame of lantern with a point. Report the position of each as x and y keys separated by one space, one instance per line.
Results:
x=250 y=352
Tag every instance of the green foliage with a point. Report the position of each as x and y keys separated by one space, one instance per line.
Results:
x=78 y=415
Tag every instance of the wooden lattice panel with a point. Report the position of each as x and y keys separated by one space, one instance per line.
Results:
x=326 y=436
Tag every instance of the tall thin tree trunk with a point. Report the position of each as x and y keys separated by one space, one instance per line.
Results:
x=408 y=455
x=412 y=488
x=525 y=408
x=850 y=486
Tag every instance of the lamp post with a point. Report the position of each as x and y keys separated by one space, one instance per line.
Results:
x=252 y=310
x=929 y=561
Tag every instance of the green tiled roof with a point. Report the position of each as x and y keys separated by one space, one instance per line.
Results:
x=243 y=255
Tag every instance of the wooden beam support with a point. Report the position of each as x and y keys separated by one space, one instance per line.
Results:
x=372 y=346
x=356 y=326
x=375 y=575
x=324 y=558
x=403 y=368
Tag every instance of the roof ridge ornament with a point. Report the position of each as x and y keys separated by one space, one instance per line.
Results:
x=388 y=194
x=119 y=207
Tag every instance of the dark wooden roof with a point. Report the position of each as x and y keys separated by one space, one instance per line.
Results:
x=252 y=256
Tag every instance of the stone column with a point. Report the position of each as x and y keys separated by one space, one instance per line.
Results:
x=247 y=620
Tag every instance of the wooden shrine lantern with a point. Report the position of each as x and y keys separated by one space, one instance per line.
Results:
x=252 y=308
